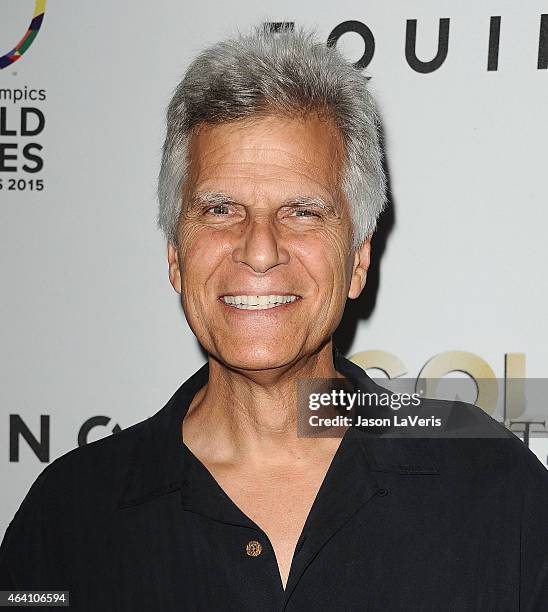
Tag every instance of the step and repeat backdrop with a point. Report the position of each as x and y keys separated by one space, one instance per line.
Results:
x=93 y=337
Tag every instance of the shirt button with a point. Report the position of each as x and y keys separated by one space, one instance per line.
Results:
x=253 y=548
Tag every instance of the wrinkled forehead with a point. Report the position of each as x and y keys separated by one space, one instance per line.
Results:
x=306 y=149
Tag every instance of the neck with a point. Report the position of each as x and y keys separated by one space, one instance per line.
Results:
x=252 y=415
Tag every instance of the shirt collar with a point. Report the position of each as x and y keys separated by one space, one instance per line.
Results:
x=158 y=464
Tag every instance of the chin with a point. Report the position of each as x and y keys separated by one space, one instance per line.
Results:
x=246 y=356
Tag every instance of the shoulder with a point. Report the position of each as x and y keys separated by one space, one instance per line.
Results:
x=95 y=470
x=107 y=454
x=83 y=483
x=471 y=446
x=91 y=476
x=477 y=445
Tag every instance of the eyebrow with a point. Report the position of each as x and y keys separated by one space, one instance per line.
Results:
x=314 y=202
x=214 y=198
x=209 y=197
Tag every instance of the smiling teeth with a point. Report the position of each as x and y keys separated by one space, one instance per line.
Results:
x=257 y=302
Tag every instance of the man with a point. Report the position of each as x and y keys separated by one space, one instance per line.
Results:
x=270 y=189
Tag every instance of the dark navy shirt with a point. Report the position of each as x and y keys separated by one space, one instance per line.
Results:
x=135 y=522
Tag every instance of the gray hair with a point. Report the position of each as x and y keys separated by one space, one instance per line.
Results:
x=289 y=73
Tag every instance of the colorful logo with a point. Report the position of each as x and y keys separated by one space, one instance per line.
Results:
x=27 y=40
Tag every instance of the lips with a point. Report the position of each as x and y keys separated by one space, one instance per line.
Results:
x=258 y=302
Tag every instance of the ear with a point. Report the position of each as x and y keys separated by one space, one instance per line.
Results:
x=359 y=269
x=174 y=269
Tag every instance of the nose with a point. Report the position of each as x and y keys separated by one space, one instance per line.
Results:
x=260 y=247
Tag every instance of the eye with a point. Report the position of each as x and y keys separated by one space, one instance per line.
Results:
x=305 y=212
x=218 y=209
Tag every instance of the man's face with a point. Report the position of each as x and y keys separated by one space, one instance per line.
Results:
x=264 y=263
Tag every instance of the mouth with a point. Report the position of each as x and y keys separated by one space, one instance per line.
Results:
x=259 y=302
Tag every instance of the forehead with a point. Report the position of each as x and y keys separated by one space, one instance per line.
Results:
x=269 y=149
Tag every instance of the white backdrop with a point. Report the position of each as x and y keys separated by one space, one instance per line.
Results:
x=90 y=326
